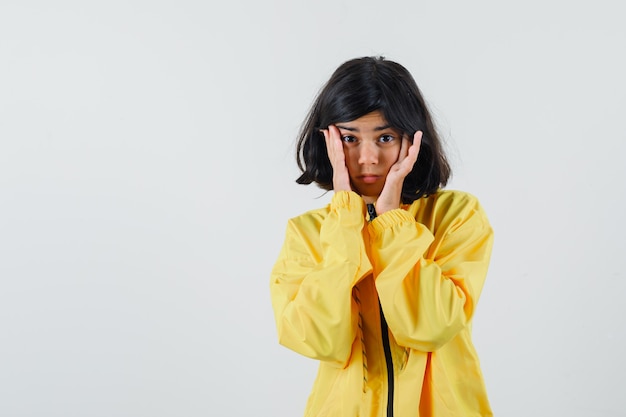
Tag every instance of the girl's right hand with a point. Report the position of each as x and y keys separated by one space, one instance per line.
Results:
x=334 y=146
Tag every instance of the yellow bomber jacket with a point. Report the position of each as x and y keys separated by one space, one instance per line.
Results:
x=422 y=268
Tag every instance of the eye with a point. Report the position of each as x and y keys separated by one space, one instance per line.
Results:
x=386 y=139
x=348 y=139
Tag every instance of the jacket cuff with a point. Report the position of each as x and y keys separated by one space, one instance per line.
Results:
x=390 y=219
x=347 y=200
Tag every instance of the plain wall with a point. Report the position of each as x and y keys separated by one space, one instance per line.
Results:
x=147 y=174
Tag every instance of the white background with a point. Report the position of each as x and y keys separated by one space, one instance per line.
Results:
x=147 y=174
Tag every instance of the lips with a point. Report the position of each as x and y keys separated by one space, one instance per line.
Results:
x=369 y=178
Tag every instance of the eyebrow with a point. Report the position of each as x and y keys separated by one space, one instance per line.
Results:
x=354 y=129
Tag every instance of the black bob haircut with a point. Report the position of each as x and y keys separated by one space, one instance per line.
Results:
x=361 y=86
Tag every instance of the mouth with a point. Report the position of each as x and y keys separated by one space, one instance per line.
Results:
x=369 y=178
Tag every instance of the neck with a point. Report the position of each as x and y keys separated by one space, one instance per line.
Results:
x=368 y=199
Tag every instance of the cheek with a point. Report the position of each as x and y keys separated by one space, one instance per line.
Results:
x=391 y=155
x=352 y=157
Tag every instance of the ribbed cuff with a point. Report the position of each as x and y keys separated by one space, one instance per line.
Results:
x=390 y=219
x=347 y=200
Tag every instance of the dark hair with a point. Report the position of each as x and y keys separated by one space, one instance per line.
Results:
x=361 y=86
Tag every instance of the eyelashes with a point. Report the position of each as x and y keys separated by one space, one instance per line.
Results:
x=348 y=139
x=383 y=139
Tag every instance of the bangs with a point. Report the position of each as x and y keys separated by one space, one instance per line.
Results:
x=350 y=100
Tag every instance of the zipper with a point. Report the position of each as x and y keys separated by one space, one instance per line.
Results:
x=385 y=332
x=384 y=328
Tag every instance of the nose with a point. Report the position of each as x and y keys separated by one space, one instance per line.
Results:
x=368 y=154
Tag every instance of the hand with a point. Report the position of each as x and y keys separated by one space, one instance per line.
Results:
x=334 y=146
x=391 y=194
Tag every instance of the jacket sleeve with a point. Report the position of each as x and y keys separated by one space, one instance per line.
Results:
x=428 y=284
x=321 y=260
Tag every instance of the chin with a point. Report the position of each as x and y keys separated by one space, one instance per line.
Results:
x=371 y=194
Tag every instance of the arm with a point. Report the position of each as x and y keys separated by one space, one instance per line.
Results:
x=311 y=283
x=429 y=285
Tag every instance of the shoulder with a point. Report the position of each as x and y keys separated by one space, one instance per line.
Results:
x=447 y=209
x=448 y=200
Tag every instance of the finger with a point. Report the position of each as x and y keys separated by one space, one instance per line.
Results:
x=417 y=137
x=334 y=133
x=412 y=150
x=330 y=145
x=335 y=138
x=325 y=133
x=415 y=147
x=334 y=147
x=404 y=148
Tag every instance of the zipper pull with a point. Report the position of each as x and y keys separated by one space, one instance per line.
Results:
x=371 y=210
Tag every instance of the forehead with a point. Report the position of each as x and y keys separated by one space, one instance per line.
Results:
x=373 y=121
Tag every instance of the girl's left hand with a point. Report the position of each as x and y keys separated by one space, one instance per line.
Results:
x=391 y=194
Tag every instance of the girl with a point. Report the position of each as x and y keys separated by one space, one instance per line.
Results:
x=381 y=285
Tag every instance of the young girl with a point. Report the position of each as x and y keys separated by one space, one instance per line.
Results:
x=381 y=285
